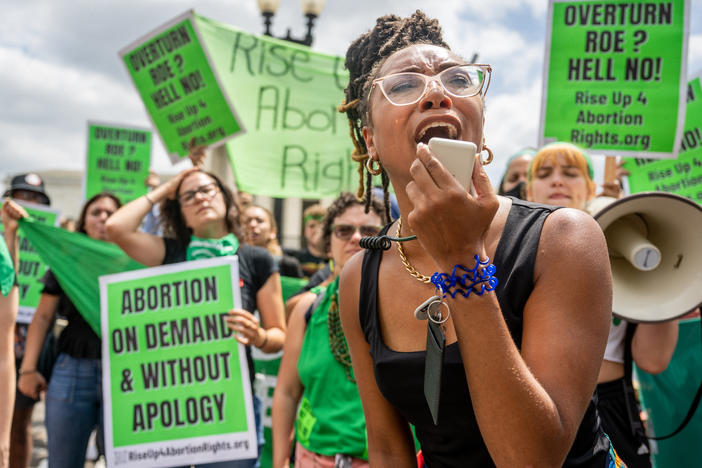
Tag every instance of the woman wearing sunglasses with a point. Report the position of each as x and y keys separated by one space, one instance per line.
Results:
x=200 y=219
x=514 y=324
x=316 y=368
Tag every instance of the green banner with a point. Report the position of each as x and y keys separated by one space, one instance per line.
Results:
x=117 y=161
x=182 y=94
x=77 y=261
x=667 y=398
x=31 y=267
x=176 y=380
x=684 y=175
x=296 y=144
x=614 y=75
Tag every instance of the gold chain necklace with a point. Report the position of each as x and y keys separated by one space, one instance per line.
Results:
x=408 y=266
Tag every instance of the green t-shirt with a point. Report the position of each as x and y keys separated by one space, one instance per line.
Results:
x=330 y=419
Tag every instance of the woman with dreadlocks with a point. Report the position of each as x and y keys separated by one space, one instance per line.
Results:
x=316 y=368
x=498 y=363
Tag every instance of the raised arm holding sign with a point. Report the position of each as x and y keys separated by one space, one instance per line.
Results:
x=201 y=220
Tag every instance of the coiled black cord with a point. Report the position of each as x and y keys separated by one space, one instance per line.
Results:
x=381 y=242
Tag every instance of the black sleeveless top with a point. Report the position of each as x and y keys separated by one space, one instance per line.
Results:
x=456 y=441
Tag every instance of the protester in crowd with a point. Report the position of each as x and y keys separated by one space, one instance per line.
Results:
x=262 y=231
x=152 y=222
x=561 y=174
x=245 y=199
x=25 y=188
x=316 y=367
x=521 y=360
x=74 y=395
x=199 y=215
x=311 y=256
x=9 y=302
x=513 y=183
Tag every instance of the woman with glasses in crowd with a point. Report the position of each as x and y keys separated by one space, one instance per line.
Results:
x=511 y=344
x=316 y=368
x=201 y=219
x=74 y=406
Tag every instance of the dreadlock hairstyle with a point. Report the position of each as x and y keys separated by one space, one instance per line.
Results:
x=364 y=58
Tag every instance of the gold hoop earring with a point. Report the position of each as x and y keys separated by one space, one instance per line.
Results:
x=490 y=155
x=370 y=169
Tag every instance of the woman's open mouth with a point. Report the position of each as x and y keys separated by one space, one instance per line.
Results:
x=441 y=129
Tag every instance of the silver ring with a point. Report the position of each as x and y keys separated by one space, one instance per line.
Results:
x=441 y=318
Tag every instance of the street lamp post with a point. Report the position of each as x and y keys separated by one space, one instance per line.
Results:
x=311 y=9
x=290 y=227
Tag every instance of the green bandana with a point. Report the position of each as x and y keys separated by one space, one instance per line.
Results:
x=7 y=270
x=210 y=248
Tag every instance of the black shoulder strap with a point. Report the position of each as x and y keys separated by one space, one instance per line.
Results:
x=368 y=294
x=690 y=412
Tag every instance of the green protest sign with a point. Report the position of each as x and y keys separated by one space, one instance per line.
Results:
x=614 y=76
x=684 y=175
x=175 y=381
x=181 y=91
x=296 y=144
x=117 y=161
x=31 y=267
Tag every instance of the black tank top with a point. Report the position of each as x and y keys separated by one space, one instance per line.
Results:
x=456 y=441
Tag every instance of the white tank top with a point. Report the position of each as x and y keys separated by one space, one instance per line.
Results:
x=615 y=341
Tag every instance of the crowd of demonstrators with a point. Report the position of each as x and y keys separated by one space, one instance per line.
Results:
x=201 y=219
x=74 y=393
x=311 y=257
x=262 y=231
x=538 y=338
x=315 y=374
x=9 y=302
x=561 y=174
x=26 y=188
x=510 y=291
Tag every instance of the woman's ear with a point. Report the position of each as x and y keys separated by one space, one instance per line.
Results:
x=370 y=143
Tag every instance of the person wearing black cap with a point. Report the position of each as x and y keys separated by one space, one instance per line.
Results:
x=27 y=188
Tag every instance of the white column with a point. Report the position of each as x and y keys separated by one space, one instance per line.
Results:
x=292 y=223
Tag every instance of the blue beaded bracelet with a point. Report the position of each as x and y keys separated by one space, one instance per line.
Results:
x=478 y=280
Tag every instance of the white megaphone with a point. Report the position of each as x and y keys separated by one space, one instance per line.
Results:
x=655 y=250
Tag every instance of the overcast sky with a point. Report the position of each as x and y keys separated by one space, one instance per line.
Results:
x=59 y=65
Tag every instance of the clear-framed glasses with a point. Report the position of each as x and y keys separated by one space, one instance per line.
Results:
x=208 y=191
x=344 y=232
x=460 y=81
